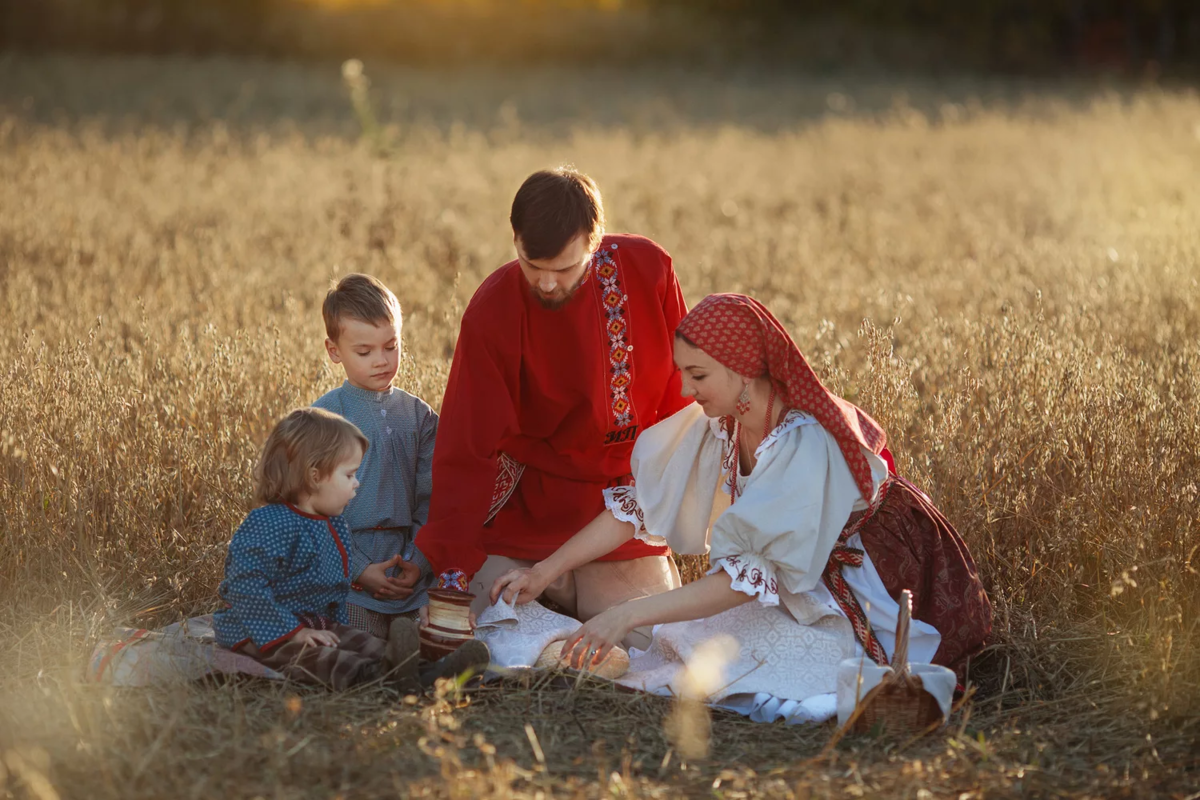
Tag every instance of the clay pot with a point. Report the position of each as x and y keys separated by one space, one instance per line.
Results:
x=449 y=623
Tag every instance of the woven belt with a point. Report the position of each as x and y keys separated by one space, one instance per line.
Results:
x=843 y=556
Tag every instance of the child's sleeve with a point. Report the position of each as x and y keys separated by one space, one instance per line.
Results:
x=257 y=555
x=426 y=435
x=423 y=480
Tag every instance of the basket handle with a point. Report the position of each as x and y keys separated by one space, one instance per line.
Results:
x=900 y=656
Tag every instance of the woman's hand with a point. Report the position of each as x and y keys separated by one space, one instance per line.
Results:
x=590 y=644
x=519 y=586
x=308 y=636
x=377 y=583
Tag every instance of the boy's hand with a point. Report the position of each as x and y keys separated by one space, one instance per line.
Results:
x=410 y=573
x=308 y=636
x=375 y=580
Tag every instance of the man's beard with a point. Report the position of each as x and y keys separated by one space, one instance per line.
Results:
x=558 y=302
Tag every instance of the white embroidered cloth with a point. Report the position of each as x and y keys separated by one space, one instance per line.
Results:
x=774 y=657
x=517 y=635
x=777 y=669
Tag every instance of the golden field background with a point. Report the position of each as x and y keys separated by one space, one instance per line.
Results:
x=1005 y=275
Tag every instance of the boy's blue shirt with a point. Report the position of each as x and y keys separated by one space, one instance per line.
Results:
x=282 y=563
x=395 y=483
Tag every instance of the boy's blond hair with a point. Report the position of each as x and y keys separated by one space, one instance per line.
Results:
x=360 y=297
x=307 y=439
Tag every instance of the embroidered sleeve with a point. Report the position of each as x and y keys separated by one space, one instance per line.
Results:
x=750 y=575
x=508 y=475
x=622 y=502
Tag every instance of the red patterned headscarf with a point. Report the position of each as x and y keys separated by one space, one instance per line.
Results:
x=739 y=332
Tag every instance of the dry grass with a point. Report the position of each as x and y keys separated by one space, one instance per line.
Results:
x=1027 y=270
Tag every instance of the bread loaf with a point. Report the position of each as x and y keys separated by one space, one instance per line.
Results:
x=614 y=665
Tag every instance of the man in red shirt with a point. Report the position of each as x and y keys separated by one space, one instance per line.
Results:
x=564 y=356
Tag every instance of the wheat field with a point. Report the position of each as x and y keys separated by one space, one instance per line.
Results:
x=1004 y=274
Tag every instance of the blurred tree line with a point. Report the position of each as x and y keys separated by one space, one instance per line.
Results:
x=1013 y=34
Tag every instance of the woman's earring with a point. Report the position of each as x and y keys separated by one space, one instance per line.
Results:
x=743 y=402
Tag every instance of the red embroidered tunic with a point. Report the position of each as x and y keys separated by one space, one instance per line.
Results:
x=543 y=406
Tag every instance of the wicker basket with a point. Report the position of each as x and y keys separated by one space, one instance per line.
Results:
x=899 y=705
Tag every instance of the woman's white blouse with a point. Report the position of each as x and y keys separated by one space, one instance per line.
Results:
x=775 y=540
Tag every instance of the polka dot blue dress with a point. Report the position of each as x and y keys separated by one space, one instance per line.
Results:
x=282 y=565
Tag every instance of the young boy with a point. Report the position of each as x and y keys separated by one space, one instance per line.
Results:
x=390 y=577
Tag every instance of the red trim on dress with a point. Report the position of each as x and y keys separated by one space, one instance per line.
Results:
x=262 y=651
x=305 y=514
x=843 y=595
x=341 y=547
x=337 y=539
x=240 y=644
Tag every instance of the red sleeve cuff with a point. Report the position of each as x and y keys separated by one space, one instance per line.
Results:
x=276 y=642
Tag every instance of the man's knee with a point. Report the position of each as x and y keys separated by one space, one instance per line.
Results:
x=481 y=584
x=604 y=584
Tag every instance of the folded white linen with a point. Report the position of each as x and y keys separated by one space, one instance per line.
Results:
x=517 y=635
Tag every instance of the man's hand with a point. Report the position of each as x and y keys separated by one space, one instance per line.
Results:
x=519 y=586
x=375 y=580
x=308 y=636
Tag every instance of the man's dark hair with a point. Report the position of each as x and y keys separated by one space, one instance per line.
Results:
x=554 y=206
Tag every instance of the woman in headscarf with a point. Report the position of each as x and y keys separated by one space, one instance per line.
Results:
x=810 y=555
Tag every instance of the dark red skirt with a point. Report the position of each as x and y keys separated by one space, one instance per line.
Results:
x=914 y=547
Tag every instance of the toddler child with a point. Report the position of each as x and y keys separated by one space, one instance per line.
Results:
x=390 y=577
x=287 y=572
